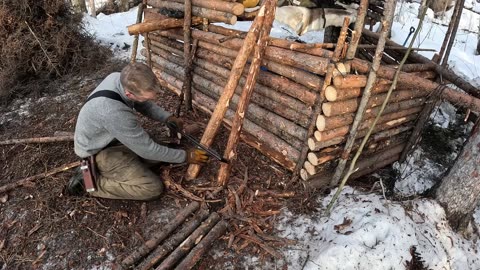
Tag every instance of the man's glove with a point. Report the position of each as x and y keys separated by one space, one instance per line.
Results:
x=175 y=122
x=196 y=156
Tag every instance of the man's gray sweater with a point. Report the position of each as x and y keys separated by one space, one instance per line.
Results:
x=101 y=120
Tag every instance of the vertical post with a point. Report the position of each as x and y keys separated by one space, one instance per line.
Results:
x=135 y=39
x=232 y=83
x=187 y=84
x=93 y=10
x=448 y=35
x=460 y=3
x=372 y=77
x=237 y=123
x=357 y=32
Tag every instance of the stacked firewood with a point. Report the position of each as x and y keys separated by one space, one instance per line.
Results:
x=338 y=112
x=213 y=10
x=287 y=87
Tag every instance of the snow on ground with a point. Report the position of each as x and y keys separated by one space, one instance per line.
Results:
x=365 y=231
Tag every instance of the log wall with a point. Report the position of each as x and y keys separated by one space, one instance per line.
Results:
x=288 y=87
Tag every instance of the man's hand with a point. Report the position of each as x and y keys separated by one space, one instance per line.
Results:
x=196 y=156
x=177 y=123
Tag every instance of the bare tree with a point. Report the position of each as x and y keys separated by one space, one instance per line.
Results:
x=79 y=6
x=459 y=191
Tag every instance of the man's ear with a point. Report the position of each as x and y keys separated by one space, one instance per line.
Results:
x=128 y=93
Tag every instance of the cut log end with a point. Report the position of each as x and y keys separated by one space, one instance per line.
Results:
x=320 y=123
x=238 y=9
x=311 y=144
x=309 y=168
x=304 y=175
x=331 y=93
x=312 y=158
x=327 y=109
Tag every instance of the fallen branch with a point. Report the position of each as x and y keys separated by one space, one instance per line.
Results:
x=159 y=236
x=24 y=181
x=66 y=138
x=170 y=184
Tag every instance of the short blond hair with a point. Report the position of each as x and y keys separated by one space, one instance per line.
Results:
x=138 y=78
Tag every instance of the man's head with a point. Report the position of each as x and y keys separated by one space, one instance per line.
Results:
x=139 y=82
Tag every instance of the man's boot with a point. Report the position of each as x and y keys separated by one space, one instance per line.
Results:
x=75 y=185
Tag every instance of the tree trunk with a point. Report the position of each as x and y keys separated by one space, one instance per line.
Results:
x=459 y=191
x=79 y=6
x=93 y=10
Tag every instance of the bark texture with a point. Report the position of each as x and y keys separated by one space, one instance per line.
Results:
x=459 y=191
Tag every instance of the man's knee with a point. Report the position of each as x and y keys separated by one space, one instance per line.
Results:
x=154 y=191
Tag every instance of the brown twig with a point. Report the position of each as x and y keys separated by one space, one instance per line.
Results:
x=24 y=181
x=43 y=49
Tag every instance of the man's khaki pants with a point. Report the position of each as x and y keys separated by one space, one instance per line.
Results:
x=123 y=175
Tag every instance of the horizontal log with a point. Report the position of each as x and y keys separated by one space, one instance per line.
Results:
x=323 y=180
x=152 y=14
x=395 y=128
x=267 y=143
x=382 y=124
x=366 y=122
x=415 y=67
x=420 y=83
x=280 y=126
x=321 y=157
x=263 y=96
x=333 y=93
x=162 y=24
x=276 y=42
x=446 y=73
x=348 y=106
x=325 y=123
x=311 y=63
x=295 y=74
x=213 y=15
x=229 y=7
x=355 y=81
x=269 y=79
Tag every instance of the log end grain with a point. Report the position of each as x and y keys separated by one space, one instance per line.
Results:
x=312 y=158
x=304 y=175
x=327 y=109
x=309 y=168
x=320 y=123
x=311 y=144
x=238 y=9
x=331 y=93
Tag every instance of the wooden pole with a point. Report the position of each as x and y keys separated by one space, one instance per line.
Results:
x=93 y=11
x=229 y=7
x=271 y=146
x=190 y=242
x=155 y=25
x=21 y=182
x=237 y=124
x=450 y=32
x=67 y=138
x=187 y=54
x=159 y=236
x=357 y=32
x=212 y=15
x=135 y=39
x=203 y=247
x=171 y=243
x=222 y=105
x=460 y=3
x=391 y=9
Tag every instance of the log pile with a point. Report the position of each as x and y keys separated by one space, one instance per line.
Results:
x=292 y=83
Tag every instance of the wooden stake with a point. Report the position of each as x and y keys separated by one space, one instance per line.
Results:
x=67 y=138
x=159 y=236
x=190 y=242
x=135 y=39
x=187 y=54
x=155 y=25
x=171 y=243
x=222 y=105
x=237 y=124
x=203 y=247
x=357 y=32
x=21 y=182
